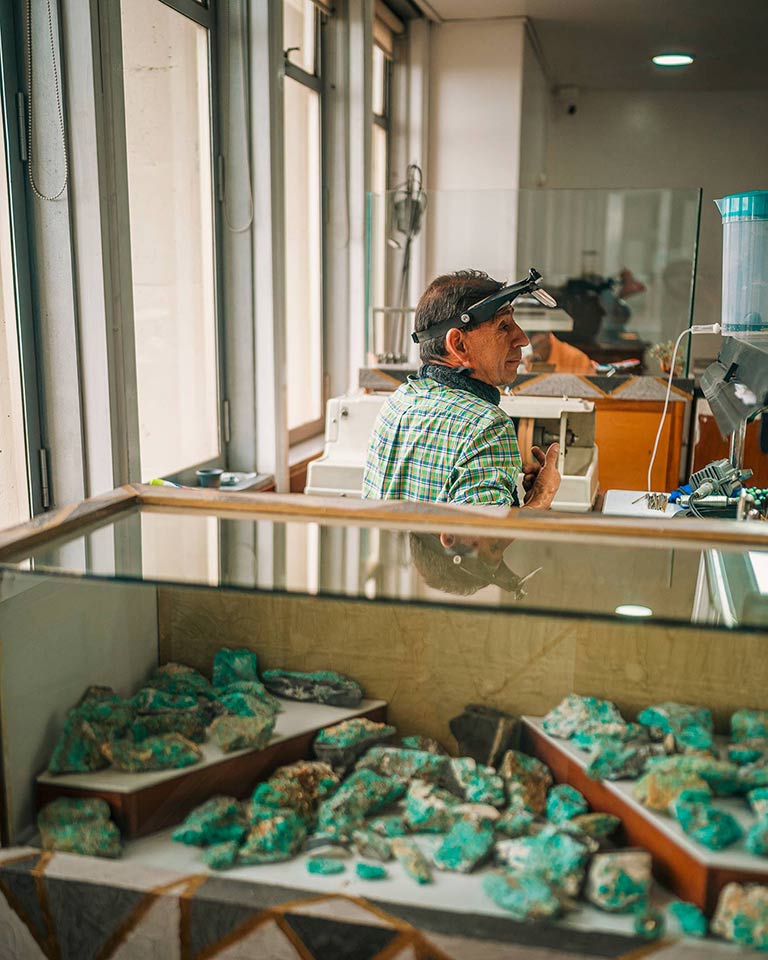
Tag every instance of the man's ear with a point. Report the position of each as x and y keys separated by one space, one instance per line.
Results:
x=456 y=345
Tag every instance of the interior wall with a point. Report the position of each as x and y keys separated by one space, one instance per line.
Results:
x=714 y=140
x=534 y=119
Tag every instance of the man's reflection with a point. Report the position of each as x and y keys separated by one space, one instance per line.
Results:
x=462 y=564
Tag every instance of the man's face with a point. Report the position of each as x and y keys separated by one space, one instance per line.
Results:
x=494 y=348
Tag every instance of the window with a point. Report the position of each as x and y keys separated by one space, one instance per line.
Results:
x=166 y=79
x=303 y=219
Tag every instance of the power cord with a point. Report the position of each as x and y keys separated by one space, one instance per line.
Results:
x=696 y=328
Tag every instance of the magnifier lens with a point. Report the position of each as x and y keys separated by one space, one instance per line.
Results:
x=543 y=297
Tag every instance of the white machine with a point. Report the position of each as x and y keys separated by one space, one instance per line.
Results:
x=540 y=421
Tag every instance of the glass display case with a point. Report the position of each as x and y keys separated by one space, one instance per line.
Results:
x=467 y=631
x=621 y=264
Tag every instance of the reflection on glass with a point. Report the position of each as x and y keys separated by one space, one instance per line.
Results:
x=167 y=116
x=379 y=83
x=303 y=282
x=299 y=19
x=560 y=575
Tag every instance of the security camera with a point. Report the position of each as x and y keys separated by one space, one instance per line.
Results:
x=568 y=99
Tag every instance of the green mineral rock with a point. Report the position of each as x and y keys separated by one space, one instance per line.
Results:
x=691 y=727
x=580 y=713
x=242 y=733
x=189 y=724
x=649 y=923
x=412 y=859
x=429 y=808
x=564 y=803
x=362 y=794
x=169 y=752
x=325 y=865
x=342 y=744
x=597 y=825
x=480 y=813
x=243 y=705
x=321 y=687
x=466 y=846
x=424 y=744
x=758 y=800
x=254 y=689
x=108 y=715
x=725 y=779
x=272 y=840
x=524 y=896
x=78 y=749
x=515 y=822
x=393 y=825
x=757 y=838
x=749 y=725
x=176 y=678
x=221 y=856
x=75 y=825
x=231 y=666
x=371 y=871
x=300 y=786
x=150 y=700
x=68 y=810
x=619 y=880
x=704 y=822
x=742 y=915
x=558 y=858
x=658 y=788
x=485 y=787
x=691 y=920
x=404 y=764
x=327 y=845
x=527 y=781
x=483 y=733
x=752 y=777
x=372 y=845
x=614 y=733
x=748 y=751
x=619 y=761
x=218 y=820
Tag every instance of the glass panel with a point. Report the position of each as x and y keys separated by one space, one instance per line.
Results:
x=299 y=25
x=303 y=276
x=379 y=83
x=167 y=115
x=14 y=501
x=555 y=575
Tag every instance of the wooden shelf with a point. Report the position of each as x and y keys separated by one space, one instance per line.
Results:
x=142 y=803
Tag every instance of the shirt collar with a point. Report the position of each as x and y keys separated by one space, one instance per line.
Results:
x=459 y=379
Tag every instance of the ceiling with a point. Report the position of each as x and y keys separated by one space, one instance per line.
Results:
x=607 y=44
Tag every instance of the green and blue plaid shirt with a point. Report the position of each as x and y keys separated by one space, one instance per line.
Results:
x=435 y=442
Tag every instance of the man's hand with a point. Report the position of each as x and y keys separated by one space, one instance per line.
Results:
x=541 y=480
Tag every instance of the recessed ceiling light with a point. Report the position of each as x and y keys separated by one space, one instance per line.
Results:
x=633 y=610
x=673 y=59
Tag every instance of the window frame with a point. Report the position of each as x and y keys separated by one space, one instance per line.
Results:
x=316 y=82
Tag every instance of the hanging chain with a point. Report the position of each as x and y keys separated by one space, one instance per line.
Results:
x=57 y=88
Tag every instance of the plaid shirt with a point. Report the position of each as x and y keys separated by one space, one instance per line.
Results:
x=434 y=442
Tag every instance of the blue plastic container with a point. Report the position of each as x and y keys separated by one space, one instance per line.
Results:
x=745 y=265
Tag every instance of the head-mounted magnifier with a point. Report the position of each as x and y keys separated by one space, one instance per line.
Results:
x=488 y=308
x=476 y=570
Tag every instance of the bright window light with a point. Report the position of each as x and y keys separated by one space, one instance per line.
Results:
x=673 y=59
x=633 y=610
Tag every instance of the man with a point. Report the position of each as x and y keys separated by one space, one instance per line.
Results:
x=442 y=436
x=563 y=357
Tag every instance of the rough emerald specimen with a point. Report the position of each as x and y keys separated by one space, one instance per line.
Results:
x=69 y=810
x=242 y=733
x=658 y=788
x=176 y=678
x=618 y=880
x=524 y=896
x=322 y=687
x=483 y=733
x=218 y=820
x=371 y=871
x=150 y=700
x=362 y=794
x=342 y=744
x=276 y=838
x=221 y=856
x=748 y=751
x=689 y=726
x=742 y=915
x=515 y=823
x=558 y=858
x=757 y=838
x=78 y=750
x=620 y=761
x=752 y=777
x=404 y=764
x=370 y=844
x=580 y=713
x=92 y=838
x=300 y=786
x=429 y=808
x=108 y=715
x=597 y=825
x=168 y=752
x=425 y=744
x=758 y=800
x=704 y=822
x=189 y=724
x=256 y=690
x=565 y=803
x=600 y=733
x=243 y=705
x=749 y=725
x=325 y=865
x=466 y=846
x=393 y=825
x=692 y=921
x=481 y=813
x=412 y=860
x=527 y=780
x=649 y=923
x=231 y=666
x=725 y=779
